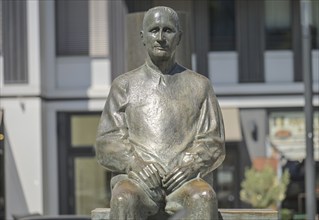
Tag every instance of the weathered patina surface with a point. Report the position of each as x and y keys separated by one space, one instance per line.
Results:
x=162 y=131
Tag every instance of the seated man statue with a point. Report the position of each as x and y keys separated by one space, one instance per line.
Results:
x=161 y=131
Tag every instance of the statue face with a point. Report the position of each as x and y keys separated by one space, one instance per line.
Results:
x=160 y=35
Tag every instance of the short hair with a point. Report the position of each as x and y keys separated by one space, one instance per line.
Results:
x=170 y=11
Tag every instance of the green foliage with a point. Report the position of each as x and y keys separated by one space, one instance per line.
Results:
x=286 y=214
x=263 y=189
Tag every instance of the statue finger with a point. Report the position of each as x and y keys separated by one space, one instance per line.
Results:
x=171 y=174
x=155 y=173
x=170 y=177
x=144 y=176
x=159 y=169
x=176 y=183
x=174 y=178
x=155 y=183
x=179 y=185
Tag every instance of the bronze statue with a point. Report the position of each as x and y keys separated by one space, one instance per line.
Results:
x=162 y=131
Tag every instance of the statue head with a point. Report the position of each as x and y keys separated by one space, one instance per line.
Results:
x=161 y=33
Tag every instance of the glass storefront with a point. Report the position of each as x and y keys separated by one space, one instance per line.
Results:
x=287 y=135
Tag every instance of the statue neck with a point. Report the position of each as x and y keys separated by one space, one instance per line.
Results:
x=162 y=66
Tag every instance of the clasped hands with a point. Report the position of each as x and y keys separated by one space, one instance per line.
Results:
x=154 y=176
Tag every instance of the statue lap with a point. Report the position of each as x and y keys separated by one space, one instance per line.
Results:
x=195 y=199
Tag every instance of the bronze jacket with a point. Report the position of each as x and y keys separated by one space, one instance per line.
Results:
x=161 y=118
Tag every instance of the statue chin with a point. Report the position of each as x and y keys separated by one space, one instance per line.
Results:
x=161 y=56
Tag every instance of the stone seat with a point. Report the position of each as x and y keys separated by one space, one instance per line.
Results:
x=224 y=214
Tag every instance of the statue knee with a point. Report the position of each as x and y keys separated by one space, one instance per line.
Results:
x=123 y=197
x=124 y=193
x=207 y=195
x=199 y=190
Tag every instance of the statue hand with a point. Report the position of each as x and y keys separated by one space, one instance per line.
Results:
x=181 y=174
x=150 y=173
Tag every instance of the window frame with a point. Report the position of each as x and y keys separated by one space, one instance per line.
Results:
x=66 y=161
x=15 y=49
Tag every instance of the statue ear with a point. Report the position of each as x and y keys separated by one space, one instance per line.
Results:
x=142 y=37
x=180 y=33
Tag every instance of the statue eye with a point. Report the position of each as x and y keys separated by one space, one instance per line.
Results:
x=154 y=30
x=168 y=30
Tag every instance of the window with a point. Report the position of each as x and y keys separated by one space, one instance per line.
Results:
x=315 y=24
x=250 y=40
x=13 y=43
x=238 y=26
x=72 y=27
x=138 y=6
x=297 y=36
x=81 y=28
x=222 y=25
x=83 y=184
x=278 y=28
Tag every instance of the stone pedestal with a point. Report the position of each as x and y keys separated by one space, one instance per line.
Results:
x=248 y=214
x=100 y=214
x=224 y=214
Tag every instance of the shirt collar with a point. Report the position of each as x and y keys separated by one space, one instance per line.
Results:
x=156 y=74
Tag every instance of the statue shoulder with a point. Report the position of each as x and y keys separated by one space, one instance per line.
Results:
x=123 y=79
x=197 y=78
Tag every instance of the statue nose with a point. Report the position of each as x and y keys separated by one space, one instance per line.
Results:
x=160 y=36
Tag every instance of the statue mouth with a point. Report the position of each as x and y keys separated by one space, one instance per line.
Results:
x=161 y=48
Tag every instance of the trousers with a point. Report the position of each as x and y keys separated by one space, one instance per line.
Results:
x=195 y=199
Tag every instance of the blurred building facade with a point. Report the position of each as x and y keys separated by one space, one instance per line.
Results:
x=57 y=62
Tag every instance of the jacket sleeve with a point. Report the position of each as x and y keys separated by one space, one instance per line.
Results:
x=208 y=148
x=113 y=150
